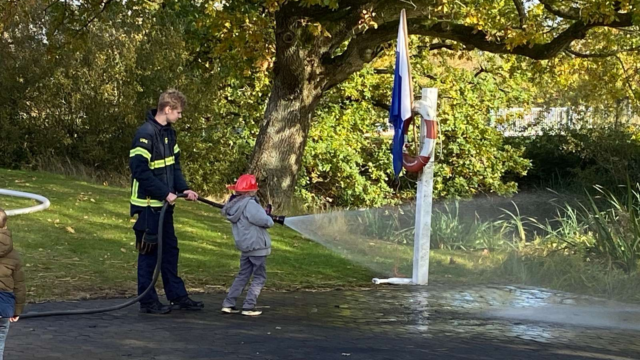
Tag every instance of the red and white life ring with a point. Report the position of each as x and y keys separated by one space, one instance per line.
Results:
x=412 y=163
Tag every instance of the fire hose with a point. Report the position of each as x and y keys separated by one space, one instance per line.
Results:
x=156 y=273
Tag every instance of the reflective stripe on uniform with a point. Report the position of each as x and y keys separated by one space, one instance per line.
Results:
x=140 y=151
x=162 y=163
x=148 y=202
x=141 y=202
x=153 y=164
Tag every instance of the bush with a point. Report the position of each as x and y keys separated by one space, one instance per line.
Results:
x=582 y=158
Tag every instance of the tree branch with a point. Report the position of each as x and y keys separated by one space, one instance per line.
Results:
x=570 y=14
x=479 y=39
x=381 y=105
x=361 y=47
x=600 y=55
x=50 y=5
x=489 y=73
x=105 y=4
x=361 y=50
x=383 y=71
x=390 y=72
x=624 y=71
x=521 y=12
x=480 y=72
x=64 y=18
x=437 y=46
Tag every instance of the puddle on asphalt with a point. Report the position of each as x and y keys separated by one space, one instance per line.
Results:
x=497 y=312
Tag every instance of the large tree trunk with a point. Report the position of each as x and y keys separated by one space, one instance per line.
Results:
x=305 y=67
x=278 y=152
x=296 y=91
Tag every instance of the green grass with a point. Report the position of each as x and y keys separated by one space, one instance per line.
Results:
x=83 y=245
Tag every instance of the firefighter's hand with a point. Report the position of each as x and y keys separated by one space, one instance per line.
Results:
x=171 y=198
x=191 y=195
x=14 y=319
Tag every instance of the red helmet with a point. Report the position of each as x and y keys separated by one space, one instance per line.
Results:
x=245 y=183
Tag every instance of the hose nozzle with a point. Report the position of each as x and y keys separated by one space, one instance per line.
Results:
x=278 y=219
x=275 y=218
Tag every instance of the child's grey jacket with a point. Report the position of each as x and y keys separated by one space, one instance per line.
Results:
x=249 y=225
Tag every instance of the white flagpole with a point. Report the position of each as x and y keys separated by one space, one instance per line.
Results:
x=424 y=202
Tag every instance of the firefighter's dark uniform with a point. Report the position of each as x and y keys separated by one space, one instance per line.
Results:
x=154 y=161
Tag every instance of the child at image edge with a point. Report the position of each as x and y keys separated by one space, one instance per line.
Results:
x=12 y=287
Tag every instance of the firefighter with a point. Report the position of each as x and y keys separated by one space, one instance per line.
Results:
x=156 y=176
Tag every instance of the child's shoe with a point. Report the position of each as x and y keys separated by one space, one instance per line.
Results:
x=230 y=310
x=251 y=312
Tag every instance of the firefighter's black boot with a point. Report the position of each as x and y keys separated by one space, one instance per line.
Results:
x=155 y=308
x=187 y=304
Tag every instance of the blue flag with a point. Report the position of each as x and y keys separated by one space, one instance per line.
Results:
x=402 y=95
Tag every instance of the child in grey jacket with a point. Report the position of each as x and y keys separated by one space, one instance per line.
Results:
x=249 y=226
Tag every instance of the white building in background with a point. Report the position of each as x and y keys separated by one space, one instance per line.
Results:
x=535 y=121
x=531 y=122
x=519 y=122
x=538 y=120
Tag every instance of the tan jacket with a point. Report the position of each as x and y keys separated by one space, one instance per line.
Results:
x=11 y=275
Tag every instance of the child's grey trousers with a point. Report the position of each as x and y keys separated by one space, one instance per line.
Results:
x=249 y=265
